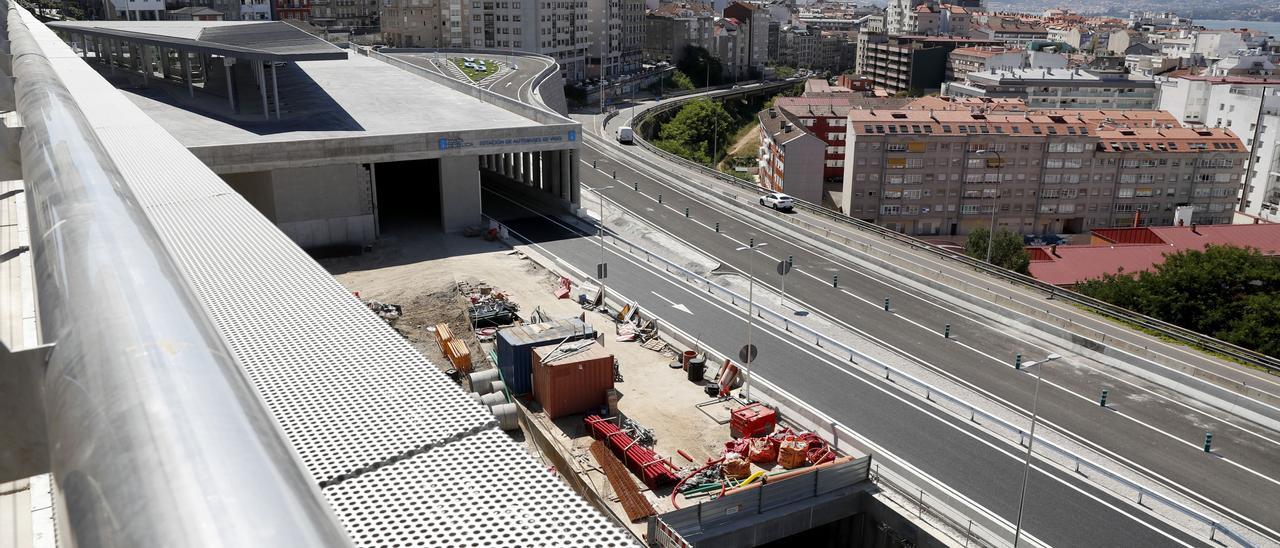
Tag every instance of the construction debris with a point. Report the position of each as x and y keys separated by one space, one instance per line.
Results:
x=652 y=469
x=489 y=307
x=634 y=503
x=643 y=436
x=388 y=312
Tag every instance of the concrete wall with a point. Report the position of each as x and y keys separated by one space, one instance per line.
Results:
x=256 y=188
x=314 y=206
x=459 y=192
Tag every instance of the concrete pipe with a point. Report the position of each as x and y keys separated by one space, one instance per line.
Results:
x=493 y=399
x=480 y=380
x=506 y=415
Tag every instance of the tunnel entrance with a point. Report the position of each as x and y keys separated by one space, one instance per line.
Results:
x=408 y=195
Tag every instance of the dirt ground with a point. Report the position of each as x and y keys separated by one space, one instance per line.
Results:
x=421 y=274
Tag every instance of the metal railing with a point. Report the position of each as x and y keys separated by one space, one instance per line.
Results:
x=155 y=435
x=1175 y=332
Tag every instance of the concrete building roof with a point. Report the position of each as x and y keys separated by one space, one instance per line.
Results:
x=1032 y=76
x=935 y=102
x=835 y=106
x=1142 y=248
x=258 y=40
x=983 y=52
x=368 y=108
x=1028 y=124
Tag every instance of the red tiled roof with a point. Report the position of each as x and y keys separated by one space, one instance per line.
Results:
x=1139 y=249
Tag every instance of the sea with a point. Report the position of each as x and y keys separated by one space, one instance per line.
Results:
x=1270 y=27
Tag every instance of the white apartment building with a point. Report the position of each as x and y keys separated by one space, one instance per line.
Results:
x=1250 y=108
x=1196 y=44
x=617 y=33
x=136 y=10
x=558 y=29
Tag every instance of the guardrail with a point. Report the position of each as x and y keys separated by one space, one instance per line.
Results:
x=1175 y=332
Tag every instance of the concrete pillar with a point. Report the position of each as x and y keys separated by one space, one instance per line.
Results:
x=553 y=167
x=526 y=162
x=145 y=63
x=275 y=90
x=574 y=198
x=535 y=168
x=260 y=68
x=162 y=55
x=186 y=74
x=459 y=192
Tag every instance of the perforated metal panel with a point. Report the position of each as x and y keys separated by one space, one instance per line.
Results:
x=403 y=455
x=459 y=499
x=348 y=390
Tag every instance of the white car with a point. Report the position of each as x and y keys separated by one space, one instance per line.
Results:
x=778 y=201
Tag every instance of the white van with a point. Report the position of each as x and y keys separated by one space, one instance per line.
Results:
x=625 y=135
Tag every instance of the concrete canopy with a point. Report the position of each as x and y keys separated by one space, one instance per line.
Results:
x=273 y=41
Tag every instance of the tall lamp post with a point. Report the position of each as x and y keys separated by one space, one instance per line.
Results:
x=752 y=246
x=1031 y=439
x=995 y=201
x=602 y=270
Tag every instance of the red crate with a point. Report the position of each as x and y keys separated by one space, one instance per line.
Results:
x=752 y=420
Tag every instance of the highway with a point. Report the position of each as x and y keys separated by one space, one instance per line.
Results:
x=982 y=466
x=510 y=83
x=1146 y=426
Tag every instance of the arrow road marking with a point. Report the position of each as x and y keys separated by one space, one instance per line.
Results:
x=673 y=304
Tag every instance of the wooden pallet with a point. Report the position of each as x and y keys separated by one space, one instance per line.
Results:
x=634 y=503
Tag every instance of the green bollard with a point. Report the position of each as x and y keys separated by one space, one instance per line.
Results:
x=1208 y=440
x=659 y=198
x=835 y=280
x=717 y=227
x=1017 y=361
x=1103 y=401
x=886 y=304
x=686 y=212
x=946 y=332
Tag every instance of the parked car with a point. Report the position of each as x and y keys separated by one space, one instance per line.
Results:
x=778 y=201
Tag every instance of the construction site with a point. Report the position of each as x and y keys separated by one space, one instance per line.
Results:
x=645 y=425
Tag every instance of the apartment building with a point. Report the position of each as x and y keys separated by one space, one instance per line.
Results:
x=908 y=63
x=1012 y=31
x=347 y=15
x=962 y=61
x=1059 y=88
x=1251 y=108
x=617 y=37
x=558 y=29
x=906 y=17
x=788 y=156
x=948 y=172
x=675 y=25
x=754 y=32
x=293 y=10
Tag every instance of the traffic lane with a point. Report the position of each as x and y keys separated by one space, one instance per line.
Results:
x=920 y=312
x=1171 y=451
x=1179 y=352
x=988 y=475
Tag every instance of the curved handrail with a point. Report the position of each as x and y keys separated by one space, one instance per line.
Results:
x=156 y=435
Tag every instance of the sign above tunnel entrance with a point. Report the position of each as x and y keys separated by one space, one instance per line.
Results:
x=452 y=143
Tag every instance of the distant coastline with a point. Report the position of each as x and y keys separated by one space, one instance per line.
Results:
x=1270 y=27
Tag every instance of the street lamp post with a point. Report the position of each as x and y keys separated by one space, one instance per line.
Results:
x=1031 y=438
x=751 y=286
x=995 y=200
x=601 y=272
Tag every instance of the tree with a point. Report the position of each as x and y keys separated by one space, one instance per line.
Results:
x=1232 y=293
x=1007 y=249
x=701 y=66
x=679 y=80
x=699 y=125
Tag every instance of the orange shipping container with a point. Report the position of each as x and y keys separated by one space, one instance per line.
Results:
x=574 y=383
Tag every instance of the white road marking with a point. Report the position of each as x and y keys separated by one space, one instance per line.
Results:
x=672 y=303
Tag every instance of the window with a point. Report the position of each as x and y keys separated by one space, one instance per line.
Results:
x=895 y=147
x=895 y=163
x=977 y=162
x=1124 y=193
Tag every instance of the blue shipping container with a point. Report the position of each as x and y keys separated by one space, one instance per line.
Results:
x=515 y=348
